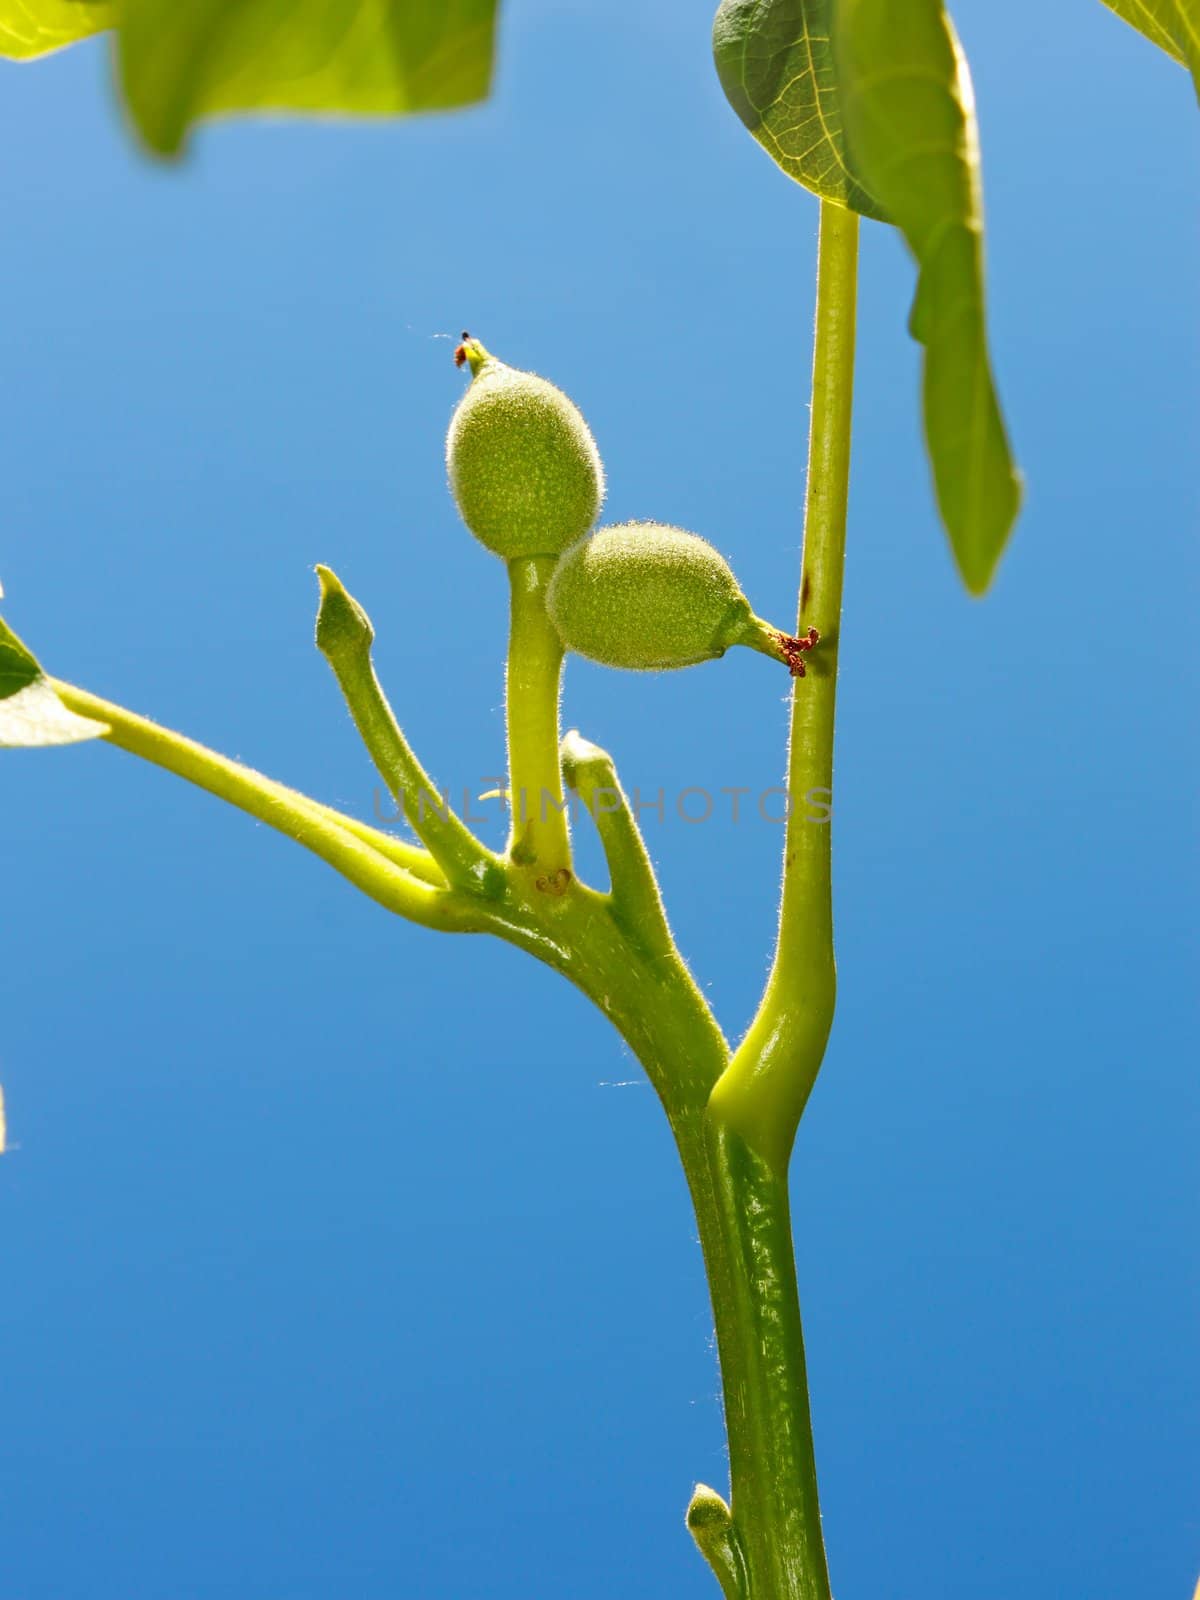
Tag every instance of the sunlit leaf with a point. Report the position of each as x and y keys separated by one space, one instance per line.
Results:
x=1173 y=25
x=33 y=27
x=775 y=62
x=181 y=60
x=30 y=711
x=910 y=123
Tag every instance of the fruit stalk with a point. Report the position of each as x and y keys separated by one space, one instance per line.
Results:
x=538 y=836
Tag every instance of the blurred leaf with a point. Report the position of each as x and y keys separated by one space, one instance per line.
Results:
x=910 y=122
x=32 y=27
x=30 y=711
x=1173 y=25
x=775 y=62
x=181 y=60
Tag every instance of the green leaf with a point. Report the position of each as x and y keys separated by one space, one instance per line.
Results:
x=30 y=711
x=1173 y=25
x=181 y=60
x=775 y=62
x=910 y=121
x=33 y=27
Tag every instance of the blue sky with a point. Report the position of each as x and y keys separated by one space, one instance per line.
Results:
x=341 y=1259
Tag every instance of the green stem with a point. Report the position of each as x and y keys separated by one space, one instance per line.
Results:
x=739 y=1180
x=379 y=867
x=539 y=836
x=644 y=989
x=409 y=856
x=765 y=1089
x=741 y=1205
x=633 y=894
x=345 y=637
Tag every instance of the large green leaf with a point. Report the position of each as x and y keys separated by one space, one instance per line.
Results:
x=910 y=122
x=775 y=62
x=33 y=27
x=30 y=711
x=1173 y=25
x=181 y=60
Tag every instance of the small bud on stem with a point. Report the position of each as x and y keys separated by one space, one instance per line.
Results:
x=710 y=1522
x=343 y=627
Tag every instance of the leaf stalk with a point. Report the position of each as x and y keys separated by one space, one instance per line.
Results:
x=764 y=1091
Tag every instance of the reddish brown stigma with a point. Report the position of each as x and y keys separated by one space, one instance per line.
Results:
x=793 y=650
x=460 y=353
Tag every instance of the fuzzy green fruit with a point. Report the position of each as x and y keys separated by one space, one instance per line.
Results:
x=523 y=466
x=648 y=597
x=645 y=596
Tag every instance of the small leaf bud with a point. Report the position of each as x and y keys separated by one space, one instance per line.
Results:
x=343 y=627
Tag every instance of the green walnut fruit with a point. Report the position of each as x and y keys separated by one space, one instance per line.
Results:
x=523 y=466
x=648 y=597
